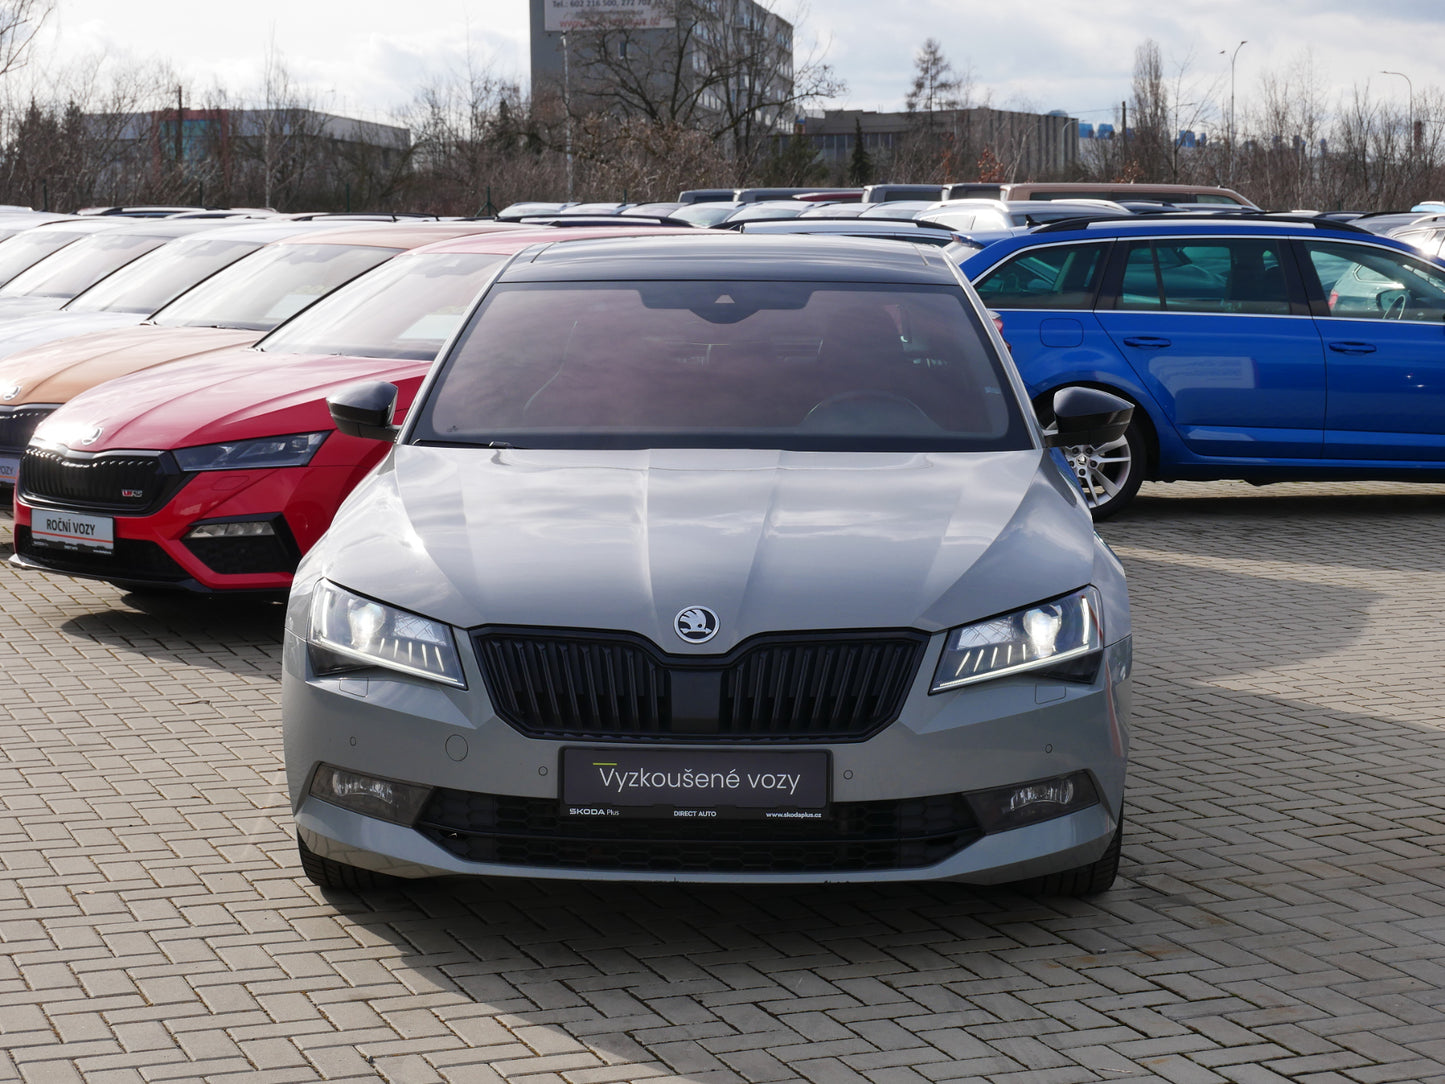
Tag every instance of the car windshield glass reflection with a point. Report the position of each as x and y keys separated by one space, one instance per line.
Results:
x=724 y=364
x=407 y=309
x=78 y=266
x=263 y=289
x=159 y=276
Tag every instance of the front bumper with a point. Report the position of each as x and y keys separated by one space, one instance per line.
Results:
x=1012 y=730
x=151 y=551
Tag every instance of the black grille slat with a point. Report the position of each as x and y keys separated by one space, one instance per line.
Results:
x=612 y=686
x=117 y=482
x=18 y=425
x=909 y=833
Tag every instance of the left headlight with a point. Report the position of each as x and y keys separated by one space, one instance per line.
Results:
x=352 y=632
x=1061 y=638
x=294 y=450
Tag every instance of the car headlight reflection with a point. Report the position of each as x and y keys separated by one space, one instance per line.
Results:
x=350 y=632
x=1060 y=638
x=294 y=450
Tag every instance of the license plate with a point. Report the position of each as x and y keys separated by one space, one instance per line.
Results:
x=9 y=469
x=72 y=531
x=703 y=785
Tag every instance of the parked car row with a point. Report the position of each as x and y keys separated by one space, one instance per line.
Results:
x=577 y=615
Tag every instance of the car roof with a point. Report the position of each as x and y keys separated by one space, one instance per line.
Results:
x=1182 y=225
x=716 y=255
x=394 y=234
x=516 y=238
x=262 y=230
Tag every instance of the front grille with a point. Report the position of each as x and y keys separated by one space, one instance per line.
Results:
x=131 y=561
x=18 y=425
x=826 y=686
x=909 y=833
x=124 y=482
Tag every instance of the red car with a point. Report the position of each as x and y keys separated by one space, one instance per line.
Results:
x=216 y=473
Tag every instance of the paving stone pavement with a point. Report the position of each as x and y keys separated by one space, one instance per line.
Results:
x=1280 y=914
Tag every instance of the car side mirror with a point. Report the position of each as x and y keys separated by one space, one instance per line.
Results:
x=365 y=410
x=1088 y=416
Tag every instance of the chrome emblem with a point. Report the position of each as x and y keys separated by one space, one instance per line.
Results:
x=10 y=393
x=696 y=624
x=92 y=436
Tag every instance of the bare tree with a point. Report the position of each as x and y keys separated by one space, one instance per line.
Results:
x=19 y=21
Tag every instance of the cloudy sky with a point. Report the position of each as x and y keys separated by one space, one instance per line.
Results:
x=369 y=57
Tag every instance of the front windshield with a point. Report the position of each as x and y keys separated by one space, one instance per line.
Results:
x=159 y=276
x=81 y=265
x=24 y=249
x=796 y=365
x=258 y=292
x=406 y=309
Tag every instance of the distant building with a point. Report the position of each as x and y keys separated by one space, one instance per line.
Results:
x=737 y=52
x=1025 y=145
x=214 y=141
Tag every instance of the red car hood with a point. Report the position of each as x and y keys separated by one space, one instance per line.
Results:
x=234 y=394
x=61 y=370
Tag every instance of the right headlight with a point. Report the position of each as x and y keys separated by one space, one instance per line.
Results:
x=1061 y=638
x=352 y=632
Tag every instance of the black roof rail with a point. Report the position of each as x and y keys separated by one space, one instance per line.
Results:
x=602 y=221
x=1207 y=216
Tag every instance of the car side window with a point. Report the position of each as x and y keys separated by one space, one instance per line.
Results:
x=1053 y=277
x=1226 y=275
x=1362 y=282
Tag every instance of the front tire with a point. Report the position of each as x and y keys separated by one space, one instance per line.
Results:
x=328 y=873
x=1086 y=880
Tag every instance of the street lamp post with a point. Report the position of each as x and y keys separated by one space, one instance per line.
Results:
x=1411 y=88
x=1232 y=59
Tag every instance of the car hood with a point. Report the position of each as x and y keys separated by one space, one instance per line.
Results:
x=41 y=328
x=769 y=540
x=231 y=394
x=58 y=371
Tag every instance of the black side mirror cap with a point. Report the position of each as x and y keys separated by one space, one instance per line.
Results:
x=365 y=410
x=1089 y=416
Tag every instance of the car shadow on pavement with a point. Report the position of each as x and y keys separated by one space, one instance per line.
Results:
x=184 y=628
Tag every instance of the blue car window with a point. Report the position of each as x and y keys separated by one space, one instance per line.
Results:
x=1057 y=277
x=1242 y=275
x=1361 y=282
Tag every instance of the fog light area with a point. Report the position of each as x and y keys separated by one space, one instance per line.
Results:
x=371 y=795
x=259 y=528
x=1029 y=803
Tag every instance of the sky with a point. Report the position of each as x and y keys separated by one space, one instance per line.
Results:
x=369 y=58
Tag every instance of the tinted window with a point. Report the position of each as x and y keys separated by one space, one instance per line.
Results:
x=1241 y=275
x=1057 y=277
x=741 y=364
x=1366 y=283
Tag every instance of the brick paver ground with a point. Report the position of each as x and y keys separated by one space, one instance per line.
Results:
x=1280 y=915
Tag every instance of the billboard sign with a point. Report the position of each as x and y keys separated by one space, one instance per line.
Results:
x=595 y=14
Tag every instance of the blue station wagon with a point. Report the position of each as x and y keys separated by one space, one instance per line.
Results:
x=1253 y=348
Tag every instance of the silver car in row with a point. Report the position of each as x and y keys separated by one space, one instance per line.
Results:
x=714 y=558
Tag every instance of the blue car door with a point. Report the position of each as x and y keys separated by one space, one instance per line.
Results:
x=1219 y=330
x=1381 y=317
x=1045 y=295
